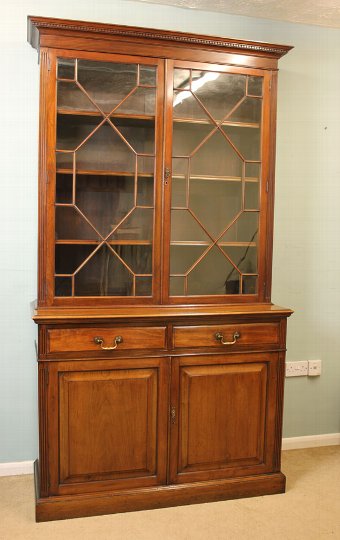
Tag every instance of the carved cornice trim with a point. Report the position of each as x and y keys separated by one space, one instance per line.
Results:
x=40 y=23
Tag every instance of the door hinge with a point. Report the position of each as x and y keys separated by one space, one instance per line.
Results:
x=48 y=62
x=173 y=415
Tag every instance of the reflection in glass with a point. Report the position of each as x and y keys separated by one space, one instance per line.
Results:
x=141 y=102
x=147 y=75
x=66 y=68
x=186 y=137
x=107 y=83
x=244 y=257
x=176 y=286
x=183 y=257
x=244 y=229
x=71 y=97
x=255 y=86
x=249 y=111
x=216 y=157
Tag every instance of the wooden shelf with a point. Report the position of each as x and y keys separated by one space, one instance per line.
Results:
x=255 y=125
x=127 y=116
x=206 y=243
x=104 y=173
x=112 y=242
x=218 y=178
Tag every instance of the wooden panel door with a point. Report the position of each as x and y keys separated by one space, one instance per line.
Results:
x=223 y=410
x=112 y=424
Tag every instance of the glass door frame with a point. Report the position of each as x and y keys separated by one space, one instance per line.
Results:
x=48 y=169
x=264 y=242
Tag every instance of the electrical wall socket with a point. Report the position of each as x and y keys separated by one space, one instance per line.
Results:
x=297 y=369
x=314 y=368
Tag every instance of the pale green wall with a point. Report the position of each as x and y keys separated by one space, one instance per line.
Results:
x=307 y=246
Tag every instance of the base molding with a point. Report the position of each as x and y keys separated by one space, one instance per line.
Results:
x=15 y=468
x=311 y=441
x=74 y=506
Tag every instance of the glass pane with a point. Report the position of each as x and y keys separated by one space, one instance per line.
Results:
x=187 y=106
x=138 y=258
x=71 y=97
x=70 y=225
x=249 y=284
x=255 y=86
x=181 y=78
x=251 y=196
x=140 y=134
x=253 y=171
x=183 y=257
x=244 y=257
x=145 y=165
x=147 y=75
x=73 y=130
x=244 y=229
x=210 y=275
x=64 y=160
x=138 y=226
x=249 y=111
x=141 y=102
x=69 y=257
x=104 y=275
x=176 y=286
x=63 y=286
x=215 y=203
x=178 y=192
x=107 y=83
x=246 y=140
x=143 y=286
x=105 y=200
x=232 y=282
x=105 y=150
x=187 y=137
x=185 y=228
x=145 y=191
x=64 y=188
x=66 y=68
x=219 y=92
x=216 y=158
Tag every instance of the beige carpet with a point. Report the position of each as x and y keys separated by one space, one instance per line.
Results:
x=310 y=509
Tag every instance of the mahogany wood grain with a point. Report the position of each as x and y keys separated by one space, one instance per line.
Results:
x=224 y=426
x=82 y=339
x=74 y=506
x=205 y=336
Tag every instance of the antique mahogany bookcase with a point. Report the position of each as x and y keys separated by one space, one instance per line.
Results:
x=161 y=356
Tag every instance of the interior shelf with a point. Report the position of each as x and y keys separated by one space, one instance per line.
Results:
x=218 y=178
x=82 y=112
x=111 y=242
x=104 y=173
x=255 y=125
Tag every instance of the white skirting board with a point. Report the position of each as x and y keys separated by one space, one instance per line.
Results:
x=290 y=443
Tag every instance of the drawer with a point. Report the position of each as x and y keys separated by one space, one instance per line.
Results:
x=232 y=335
x=95 y=338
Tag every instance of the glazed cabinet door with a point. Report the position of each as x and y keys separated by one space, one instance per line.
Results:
x=108 y=424
x=223 y=416
x=216 y=197
x=104 y=146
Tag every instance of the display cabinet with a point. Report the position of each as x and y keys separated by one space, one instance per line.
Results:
x=160 y=354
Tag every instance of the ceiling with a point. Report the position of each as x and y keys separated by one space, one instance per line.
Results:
x=319 y=12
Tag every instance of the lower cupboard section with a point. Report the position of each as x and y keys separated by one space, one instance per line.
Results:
x=138 y=433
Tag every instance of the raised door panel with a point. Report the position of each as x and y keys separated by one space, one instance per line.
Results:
x=224 y=425
x=112 y=428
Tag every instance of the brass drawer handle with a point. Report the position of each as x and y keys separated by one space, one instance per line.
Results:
x=100 y=341
x=219 y=337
